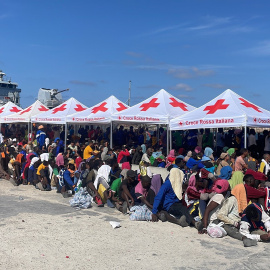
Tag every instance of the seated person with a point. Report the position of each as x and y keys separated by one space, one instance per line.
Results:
x=255 y=223
x=168 y=202
x=229 y=214
x=87 y=177
x=220 y=188
x=44 y=181
x=147 y=188
x=126 y=189
x=102 y=182
x=253 y=194
x=68 y=181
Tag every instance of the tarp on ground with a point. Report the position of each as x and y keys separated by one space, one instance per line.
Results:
x=158 y=109
x=8 y=109
x=59 y=114
x=100 y=113
x=26 y=114
x=226 y=110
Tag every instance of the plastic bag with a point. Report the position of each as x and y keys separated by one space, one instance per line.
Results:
x=216 y=230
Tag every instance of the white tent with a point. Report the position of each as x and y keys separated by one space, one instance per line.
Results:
x=58 y=115
x=26 y=114
x=100 y=113
x=158 y=109
x=8 y=109
x=226 y=110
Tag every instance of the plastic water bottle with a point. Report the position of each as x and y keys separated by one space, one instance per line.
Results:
x=79 y=184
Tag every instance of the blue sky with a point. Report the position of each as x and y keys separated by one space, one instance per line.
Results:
x=193 y=49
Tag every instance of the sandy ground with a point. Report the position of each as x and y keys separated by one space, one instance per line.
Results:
x=43 y=232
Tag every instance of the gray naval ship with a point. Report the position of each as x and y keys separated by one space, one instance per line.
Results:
x=9 y=90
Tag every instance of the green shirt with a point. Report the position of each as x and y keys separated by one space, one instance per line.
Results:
x=116 y=185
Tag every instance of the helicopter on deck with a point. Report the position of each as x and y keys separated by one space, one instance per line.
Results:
x=50 y=97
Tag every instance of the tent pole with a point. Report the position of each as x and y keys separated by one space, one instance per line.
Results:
x=158 y=134
x=111 y=135
x=65 y=137
x=28 y=131
x=245 y=139
x=168 y=135
x=171 y=146
x=31 y=132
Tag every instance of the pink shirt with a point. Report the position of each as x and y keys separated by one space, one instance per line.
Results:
x=239 y=164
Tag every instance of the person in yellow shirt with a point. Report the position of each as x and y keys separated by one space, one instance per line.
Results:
x=88 y=151
x=264 y=166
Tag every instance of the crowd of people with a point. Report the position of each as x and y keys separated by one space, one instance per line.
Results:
x=214 y=184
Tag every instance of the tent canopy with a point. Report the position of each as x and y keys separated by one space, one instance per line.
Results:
x=226 y=110
x=100 y=113
x=8 y=109
x=26 y=114
x=59 y=114
x=158 y=109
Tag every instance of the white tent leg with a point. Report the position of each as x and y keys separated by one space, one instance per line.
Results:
x=171 y=146
x=65 y=137
x=168 y=139
x=28 y=131
x=31 y=131
x=245 y=139
x=111 y=135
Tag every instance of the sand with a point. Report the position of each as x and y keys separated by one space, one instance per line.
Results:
x=39 y=230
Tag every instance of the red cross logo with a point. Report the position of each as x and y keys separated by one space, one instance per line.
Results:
x=176 y=103
x=151 y=104
x=42 y=108
x=249 y=105
x=26 y=110
x=119 y=117
x=2 y=109
x=14 y=109
x=121 y=107
x=100 y=108
x=217 y=106
x=60 y=109
x=255 y=120
x=79 y=108
x=181 y=123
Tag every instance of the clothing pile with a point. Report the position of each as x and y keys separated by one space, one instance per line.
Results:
x=81 y=199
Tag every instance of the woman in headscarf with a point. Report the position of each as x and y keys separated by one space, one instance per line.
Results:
x=169 y=199
x=237 y=178
x=225 y=173
x=102 y=183
x=208 y=152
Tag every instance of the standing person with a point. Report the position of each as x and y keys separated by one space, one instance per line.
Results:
x=267 y=143
x=240 y=164
x=41 y=136
x=208 y=139
x=200 y=138
x=220 y=141
x=264 y=165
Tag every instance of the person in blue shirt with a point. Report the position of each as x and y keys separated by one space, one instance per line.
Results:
x=168 y=202
x=40 y=136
